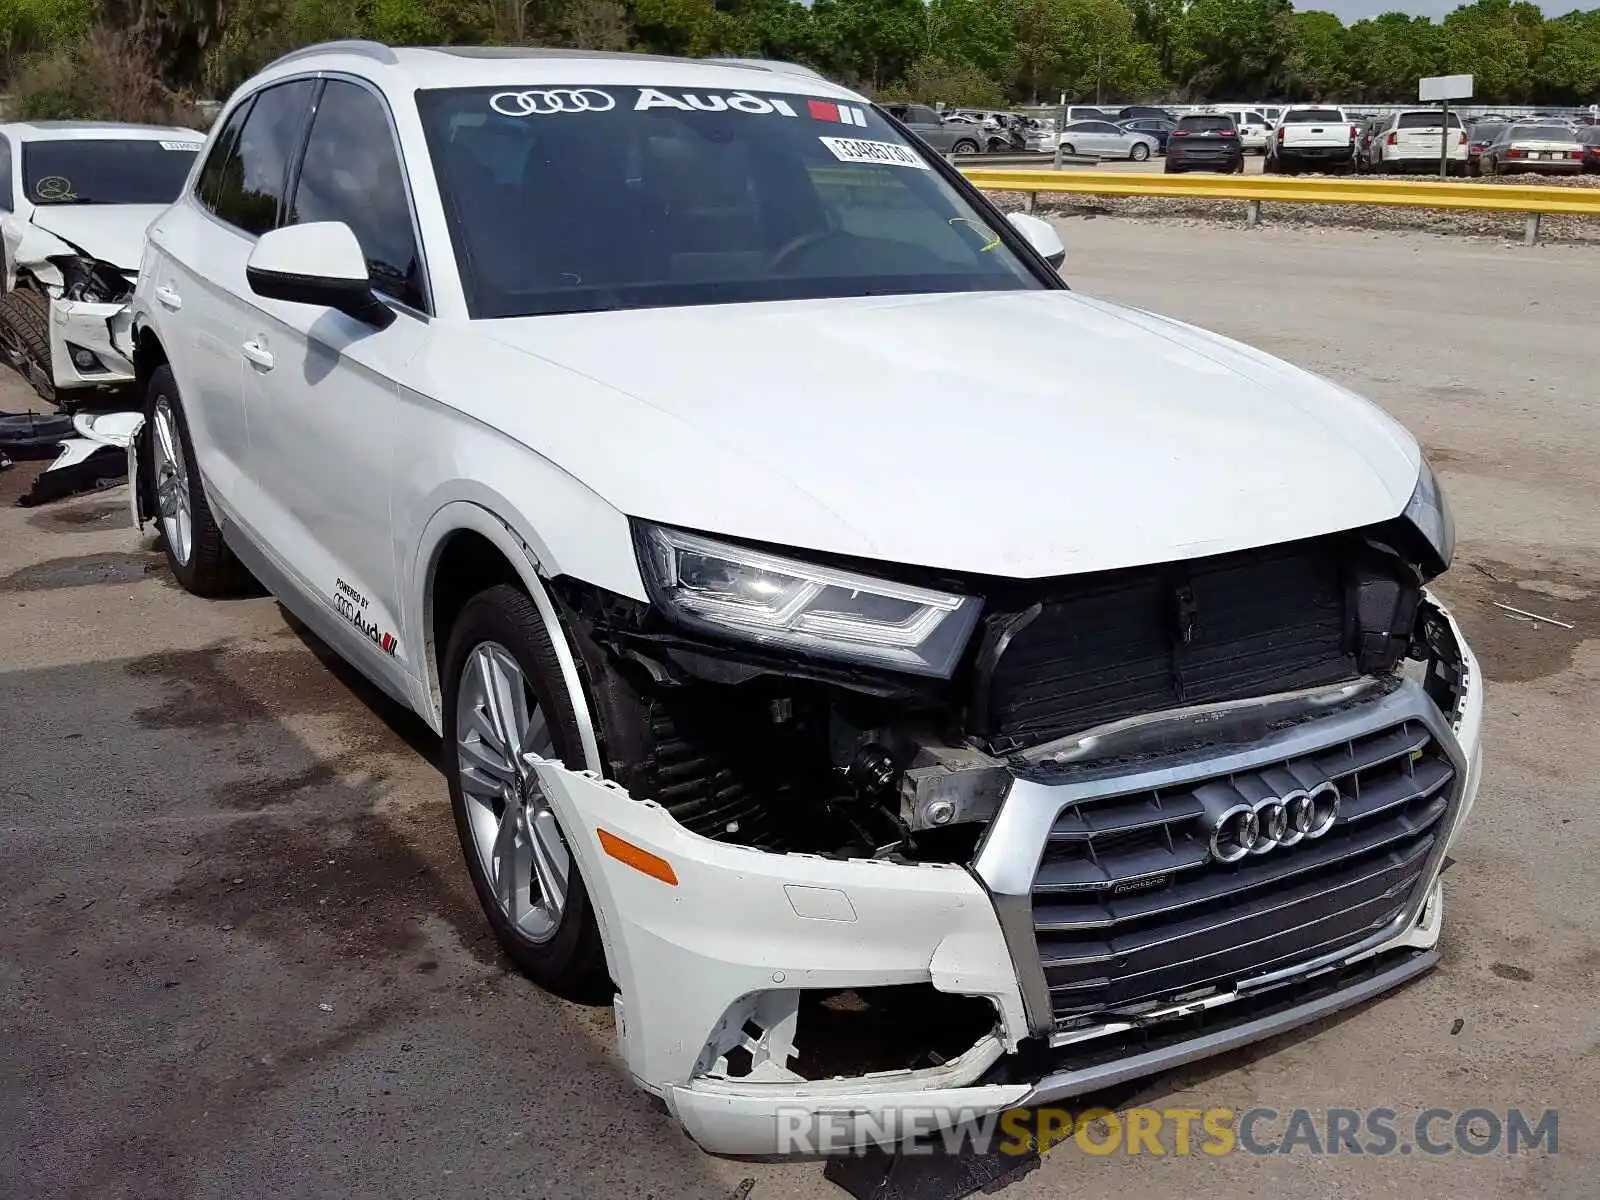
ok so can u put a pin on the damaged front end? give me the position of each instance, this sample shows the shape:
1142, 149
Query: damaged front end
65, 325
943, 844
89, 325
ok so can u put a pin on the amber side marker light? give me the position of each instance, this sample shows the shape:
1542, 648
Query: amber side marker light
652, 865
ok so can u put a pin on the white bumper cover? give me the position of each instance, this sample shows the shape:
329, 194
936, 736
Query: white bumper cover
741, 929
80, 325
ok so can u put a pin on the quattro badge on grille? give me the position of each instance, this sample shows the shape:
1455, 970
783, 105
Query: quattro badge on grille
1274, 821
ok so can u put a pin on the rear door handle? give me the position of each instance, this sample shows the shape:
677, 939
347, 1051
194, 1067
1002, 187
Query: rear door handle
258, 354
169, 298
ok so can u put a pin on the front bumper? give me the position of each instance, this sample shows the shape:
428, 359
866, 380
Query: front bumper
77, 325
718, 959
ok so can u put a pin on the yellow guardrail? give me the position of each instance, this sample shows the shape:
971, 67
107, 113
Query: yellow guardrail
1293, 189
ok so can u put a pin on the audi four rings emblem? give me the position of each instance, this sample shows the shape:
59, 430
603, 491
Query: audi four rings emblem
547, 102
1266, 824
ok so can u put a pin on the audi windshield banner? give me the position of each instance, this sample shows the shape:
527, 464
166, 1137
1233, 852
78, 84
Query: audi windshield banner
581, 101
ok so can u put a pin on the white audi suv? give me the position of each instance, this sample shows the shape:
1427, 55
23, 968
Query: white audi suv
880, 729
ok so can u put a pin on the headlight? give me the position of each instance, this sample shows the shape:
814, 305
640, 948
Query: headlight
1429, 512
780, 602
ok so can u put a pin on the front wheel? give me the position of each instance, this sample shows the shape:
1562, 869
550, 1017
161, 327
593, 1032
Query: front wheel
504, 698
196, 553
1068, 148
965, 146
1140, 152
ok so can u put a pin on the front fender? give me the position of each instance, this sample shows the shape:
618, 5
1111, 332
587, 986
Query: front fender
455, 517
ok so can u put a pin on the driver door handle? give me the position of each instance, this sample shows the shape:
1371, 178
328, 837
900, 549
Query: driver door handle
258, 354
169, 298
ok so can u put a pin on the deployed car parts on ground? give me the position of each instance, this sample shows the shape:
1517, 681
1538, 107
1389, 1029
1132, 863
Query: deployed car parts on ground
882, 735
77, 196
90, 451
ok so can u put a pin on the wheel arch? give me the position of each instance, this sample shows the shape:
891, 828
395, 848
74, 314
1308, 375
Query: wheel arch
149, 354
466, 547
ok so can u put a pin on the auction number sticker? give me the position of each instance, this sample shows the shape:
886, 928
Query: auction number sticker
191, 147
855, 150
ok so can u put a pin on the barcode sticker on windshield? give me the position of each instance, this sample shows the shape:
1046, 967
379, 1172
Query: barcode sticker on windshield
192, 147
885, 153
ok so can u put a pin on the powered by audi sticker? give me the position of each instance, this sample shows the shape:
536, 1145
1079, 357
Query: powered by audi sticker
855, 150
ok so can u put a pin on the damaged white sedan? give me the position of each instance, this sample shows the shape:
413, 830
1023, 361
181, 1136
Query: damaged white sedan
883, 732
75, 197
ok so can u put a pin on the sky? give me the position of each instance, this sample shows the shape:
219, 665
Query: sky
1354, 10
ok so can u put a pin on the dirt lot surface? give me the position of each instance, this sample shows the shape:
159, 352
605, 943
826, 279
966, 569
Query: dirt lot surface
239, 956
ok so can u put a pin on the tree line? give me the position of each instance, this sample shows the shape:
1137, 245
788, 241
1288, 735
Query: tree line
966, 52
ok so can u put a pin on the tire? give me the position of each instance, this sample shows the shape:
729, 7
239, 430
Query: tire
1168, 169
1139, 152
201, 562
1068, 148
1269, 165
965, 146
25, 338
569, 958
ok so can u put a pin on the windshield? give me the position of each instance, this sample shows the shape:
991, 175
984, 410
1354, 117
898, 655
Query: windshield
1310, 116
629, 197
106, 171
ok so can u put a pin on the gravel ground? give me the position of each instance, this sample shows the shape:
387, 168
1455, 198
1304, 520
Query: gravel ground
1495, 225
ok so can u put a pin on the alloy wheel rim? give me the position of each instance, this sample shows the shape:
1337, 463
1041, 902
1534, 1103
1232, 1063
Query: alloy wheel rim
514, 829
172, 484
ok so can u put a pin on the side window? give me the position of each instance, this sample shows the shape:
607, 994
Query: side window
351, 173
209, 182
250, 192
6, 201
918, 115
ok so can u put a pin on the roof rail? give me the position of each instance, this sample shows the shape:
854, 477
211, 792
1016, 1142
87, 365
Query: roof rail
777, 66
373, 50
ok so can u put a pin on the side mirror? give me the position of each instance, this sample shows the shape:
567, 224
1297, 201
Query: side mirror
1042, 236
320, 263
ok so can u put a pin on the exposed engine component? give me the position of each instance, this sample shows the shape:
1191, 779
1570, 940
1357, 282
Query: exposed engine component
772, 750
90, 280
952, 785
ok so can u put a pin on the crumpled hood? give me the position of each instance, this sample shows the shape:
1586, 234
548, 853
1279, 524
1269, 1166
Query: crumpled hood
1020, 434
113, 233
